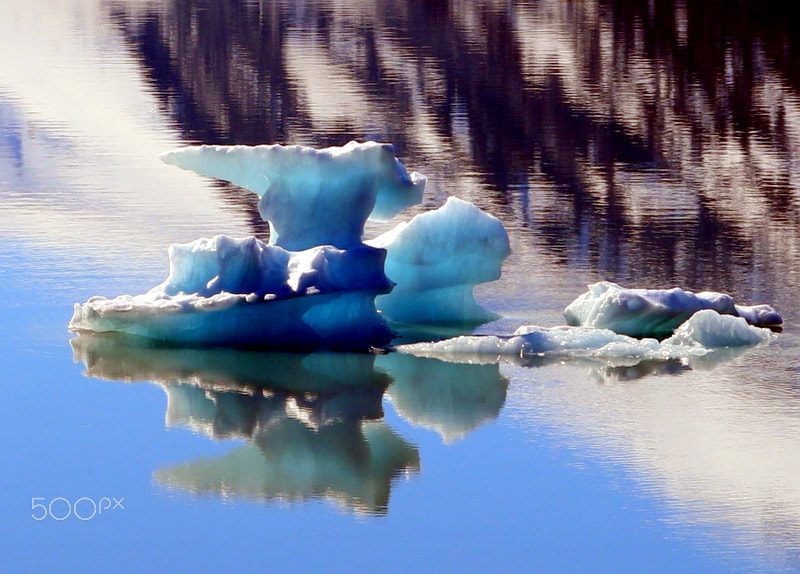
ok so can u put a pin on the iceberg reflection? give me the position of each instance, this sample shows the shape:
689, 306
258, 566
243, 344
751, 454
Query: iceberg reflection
349, 462
117, 356
451, 398
309, 419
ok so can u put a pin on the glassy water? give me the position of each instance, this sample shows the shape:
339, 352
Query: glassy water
649, 143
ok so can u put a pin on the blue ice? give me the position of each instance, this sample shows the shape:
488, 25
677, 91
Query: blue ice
318, 284
314, 285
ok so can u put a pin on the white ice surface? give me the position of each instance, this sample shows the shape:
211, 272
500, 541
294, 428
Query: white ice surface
312, 197
702, 333
436, 259
654, 312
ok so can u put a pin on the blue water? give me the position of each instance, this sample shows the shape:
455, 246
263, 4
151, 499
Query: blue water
405, 464
503, 497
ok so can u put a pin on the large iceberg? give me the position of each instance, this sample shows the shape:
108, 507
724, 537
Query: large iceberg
314, 285
655, 312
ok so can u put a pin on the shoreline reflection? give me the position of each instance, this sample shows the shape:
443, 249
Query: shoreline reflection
713, 442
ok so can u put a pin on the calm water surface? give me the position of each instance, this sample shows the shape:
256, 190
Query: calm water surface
650, 143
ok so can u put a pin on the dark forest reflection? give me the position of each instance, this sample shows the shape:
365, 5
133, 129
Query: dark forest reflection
653, 142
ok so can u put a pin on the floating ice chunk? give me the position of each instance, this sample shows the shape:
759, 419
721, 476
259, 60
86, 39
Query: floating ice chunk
701, 334
242, 292
436, 259
534, 340
760, 315
710, 330
654, 312
312, 197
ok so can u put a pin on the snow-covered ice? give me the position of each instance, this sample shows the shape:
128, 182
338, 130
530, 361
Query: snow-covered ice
655, 312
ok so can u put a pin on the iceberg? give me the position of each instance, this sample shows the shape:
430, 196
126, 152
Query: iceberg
312, 197
655, 312
436, 259
701, 334
314, 285
318, 285
243, 292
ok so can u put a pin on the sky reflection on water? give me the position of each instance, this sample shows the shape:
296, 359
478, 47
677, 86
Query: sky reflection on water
651, 143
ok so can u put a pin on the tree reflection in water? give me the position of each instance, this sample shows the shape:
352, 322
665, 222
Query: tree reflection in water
643, 141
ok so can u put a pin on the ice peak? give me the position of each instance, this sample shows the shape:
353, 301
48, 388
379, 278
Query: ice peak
312, 197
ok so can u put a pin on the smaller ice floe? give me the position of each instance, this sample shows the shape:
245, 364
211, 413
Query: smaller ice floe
312, 197
243, 292
436, 259
655, 312
701, 334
